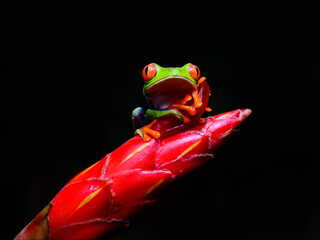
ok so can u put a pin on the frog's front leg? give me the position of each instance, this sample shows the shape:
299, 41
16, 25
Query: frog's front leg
140, 120
152, 114
140, 125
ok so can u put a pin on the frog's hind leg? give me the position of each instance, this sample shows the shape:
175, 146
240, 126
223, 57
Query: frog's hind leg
138, 118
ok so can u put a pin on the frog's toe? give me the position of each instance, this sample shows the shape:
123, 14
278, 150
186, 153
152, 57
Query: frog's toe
191, 110
146, 131
139, 132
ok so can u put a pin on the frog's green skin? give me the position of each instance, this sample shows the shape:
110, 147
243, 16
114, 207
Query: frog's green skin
166, 87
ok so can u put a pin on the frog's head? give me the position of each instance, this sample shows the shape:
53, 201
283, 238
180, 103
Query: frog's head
164, 86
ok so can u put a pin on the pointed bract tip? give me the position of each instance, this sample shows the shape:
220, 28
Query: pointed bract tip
244, 114
221, 126
240, 115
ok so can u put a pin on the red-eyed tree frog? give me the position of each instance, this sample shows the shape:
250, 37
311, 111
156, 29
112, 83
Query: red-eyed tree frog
166, 90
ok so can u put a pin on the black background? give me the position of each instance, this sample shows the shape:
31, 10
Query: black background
71, 75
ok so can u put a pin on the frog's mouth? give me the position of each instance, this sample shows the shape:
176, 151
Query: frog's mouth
167, 91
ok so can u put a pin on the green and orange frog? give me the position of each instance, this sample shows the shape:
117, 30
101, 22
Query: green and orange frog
168, 91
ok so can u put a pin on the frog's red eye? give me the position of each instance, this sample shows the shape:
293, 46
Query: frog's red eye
149, 72
194, 72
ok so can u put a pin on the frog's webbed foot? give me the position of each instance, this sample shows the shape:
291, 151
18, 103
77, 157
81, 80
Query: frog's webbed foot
192, 110
196, 100
151, 115
146, 131
201, 80
181, 105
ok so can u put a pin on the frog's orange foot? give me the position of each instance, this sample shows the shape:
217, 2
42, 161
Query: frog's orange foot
196, 100
201, 80
181, 105
146, 132
195, 95
191, 110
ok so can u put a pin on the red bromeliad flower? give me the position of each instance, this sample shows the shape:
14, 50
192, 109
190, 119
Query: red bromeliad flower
105, 195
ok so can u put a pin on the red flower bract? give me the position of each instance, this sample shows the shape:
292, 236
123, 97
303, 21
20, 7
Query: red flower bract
105, 195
